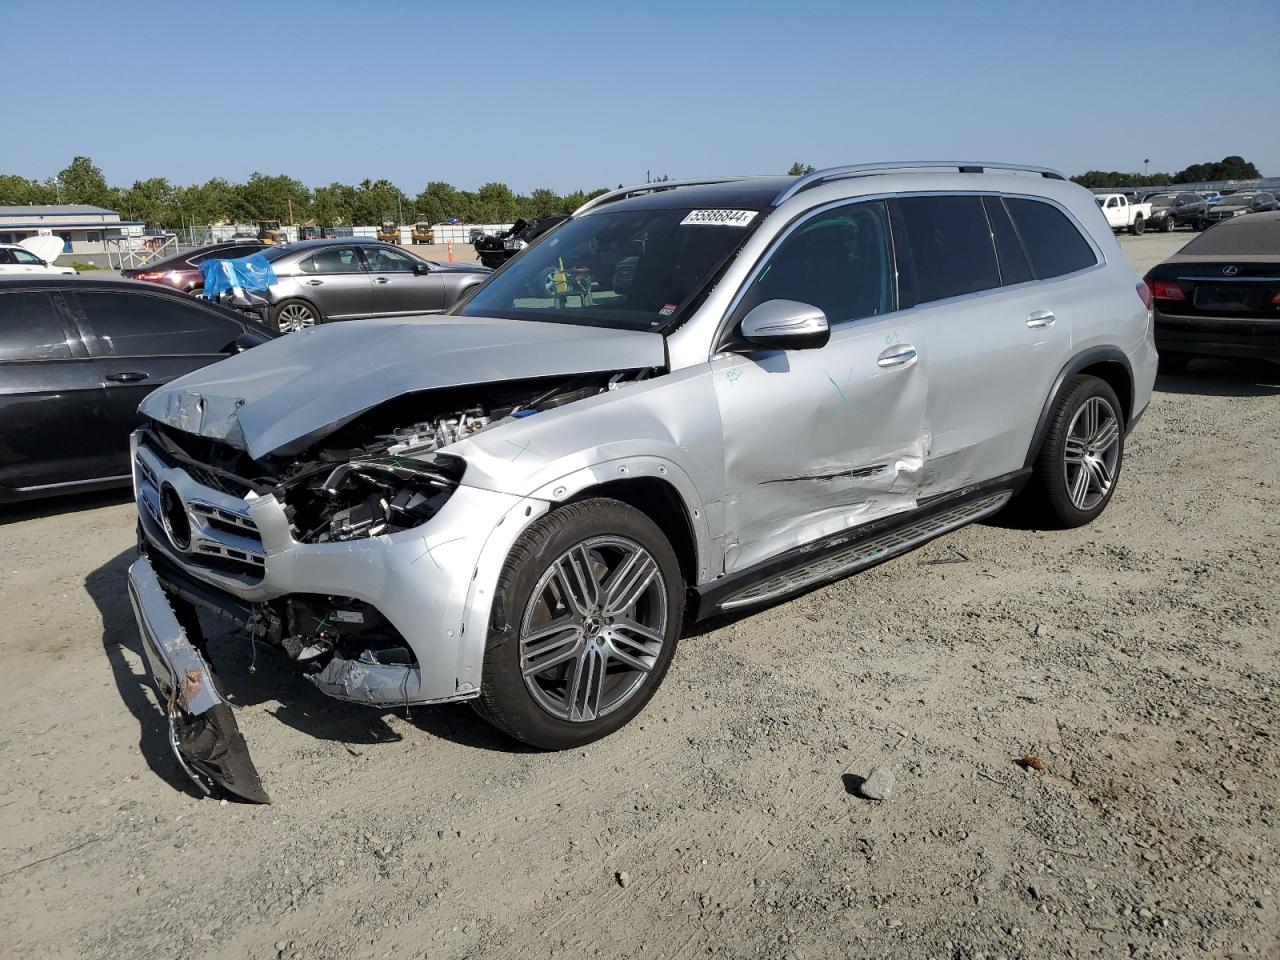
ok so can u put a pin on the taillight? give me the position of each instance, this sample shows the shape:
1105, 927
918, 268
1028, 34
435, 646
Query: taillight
151, 275
1144, 294
1276, 299
1167, 290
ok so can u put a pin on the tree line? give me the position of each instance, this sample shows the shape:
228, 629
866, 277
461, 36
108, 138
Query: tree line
160, 203
1229, 168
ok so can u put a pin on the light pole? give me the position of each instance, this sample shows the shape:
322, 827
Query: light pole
1144, 166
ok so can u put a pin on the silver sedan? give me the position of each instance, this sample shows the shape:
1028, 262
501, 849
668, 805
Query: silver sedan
349, 278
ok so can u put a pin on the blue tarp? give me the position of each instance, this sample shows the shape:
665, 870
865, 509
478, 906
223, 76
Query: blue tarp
249, 273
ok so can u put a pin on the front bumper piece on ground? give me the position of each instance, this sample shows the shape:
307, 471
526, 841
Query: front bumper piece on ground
202, 730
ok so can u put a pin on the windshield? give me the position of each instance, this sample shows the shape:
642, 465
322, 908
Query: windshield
1239, 200
625, 269
1161, 199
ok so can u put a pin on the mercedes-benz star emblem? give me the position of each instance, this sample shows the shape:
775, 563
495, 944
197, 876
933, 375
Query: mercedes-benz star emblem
174, 513
1231, 271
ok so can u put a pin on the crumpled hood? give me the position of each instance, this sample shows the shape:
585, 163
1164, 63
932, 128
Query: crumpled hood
301, 383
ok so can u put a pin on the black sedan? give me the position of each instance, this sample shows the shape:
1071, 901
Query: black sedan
1219, 296
76, 358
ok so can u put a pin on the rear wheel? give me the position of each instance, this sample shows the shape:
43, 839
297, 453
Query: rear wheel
1138, 225
290, 315
1076, 471
586, 617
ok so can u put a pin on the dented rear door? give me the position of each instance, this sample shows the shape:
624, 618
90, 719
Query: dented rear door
817, 441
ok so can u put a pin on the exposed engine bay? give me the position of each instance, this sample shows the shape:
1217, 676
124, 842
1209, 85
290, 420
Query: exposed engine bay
384, 471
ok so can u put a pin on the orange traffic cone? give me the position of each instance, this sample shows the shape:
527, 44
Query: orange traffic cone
451, 251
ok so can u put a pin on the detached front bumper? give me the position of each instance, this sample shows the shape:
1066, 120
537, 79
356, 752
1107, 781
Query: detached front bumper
202, 729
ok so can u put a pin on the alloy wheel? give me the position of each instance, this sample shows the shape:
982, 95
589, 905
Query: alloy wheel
594, 628
1092, 453
295, 316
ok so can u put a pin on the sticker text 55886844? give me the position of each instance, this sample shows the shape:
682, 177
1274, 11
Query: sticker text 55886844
719, 218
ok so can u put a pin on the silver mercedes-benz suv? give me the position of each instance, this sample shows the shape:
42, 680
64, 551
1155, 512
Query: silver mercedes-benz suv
688, 398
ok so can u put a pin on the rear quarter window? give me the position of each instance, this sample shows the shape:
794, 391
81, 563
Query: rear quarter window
1053, 243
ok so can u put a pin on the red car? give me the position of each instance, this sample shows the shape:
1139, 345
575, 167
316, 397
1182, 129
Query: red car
182, 271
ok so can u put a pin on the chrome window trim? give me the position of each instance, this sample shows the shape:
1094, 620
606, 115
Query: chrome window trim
1099, 263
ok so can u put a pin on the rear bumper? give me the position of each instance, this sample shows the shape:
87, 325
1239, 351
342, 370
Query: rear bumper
1235, 337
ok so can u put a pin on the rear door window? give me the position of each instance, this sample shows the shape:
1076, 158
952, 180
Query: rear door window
30, 327
1053, 243
946, 245
1013, 259
139, 325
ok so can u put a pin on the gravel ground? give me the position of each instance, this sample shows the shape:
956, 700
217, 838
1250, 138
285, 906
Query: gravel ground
1077, 732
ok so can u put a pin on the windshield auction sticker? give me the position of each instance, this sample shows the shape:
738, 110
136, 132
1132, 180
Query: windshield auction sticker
719, 218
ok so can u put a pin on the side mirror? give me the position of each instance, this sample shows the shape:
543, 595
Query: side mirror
786, 325
246, 341
420, 269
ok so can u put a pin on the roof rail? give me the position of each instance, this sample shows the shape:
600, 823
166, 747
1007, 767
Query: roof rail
868, 169
655, 187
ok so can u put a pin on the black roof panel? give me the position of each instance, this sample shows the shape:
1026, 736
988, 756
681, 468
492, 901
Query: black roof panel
753, 193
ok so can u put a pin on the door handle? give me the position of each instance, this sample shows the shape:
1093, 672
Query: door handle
127, 376
315, 283
383, 280
1040, 318
899, 355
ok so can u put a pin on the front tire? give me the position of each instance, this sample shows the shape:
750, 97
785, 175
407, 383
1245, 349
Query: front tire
290, 315
1168, 225
586, 616
1079, 463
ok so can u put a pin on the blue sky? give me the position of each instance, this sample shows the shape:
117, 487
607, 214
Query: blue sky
569, 95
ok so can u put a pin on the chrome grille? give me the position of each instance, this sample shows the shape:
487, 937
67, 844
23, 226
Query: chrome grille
223, 537
865, 553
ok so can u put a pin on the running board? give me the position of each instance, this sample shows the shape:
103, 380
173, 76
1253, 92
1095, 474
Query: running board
864, 553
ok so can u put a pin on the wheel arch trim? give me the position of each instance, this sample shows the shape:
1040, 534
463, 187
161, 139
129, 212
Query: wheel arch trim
1081, 361
575, 485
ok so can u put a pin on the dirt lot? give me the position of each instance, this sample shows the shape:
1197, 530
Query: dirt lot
1137, 658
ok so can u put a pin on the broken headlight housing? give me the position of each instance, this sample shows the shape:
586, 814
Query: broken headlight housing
372, 496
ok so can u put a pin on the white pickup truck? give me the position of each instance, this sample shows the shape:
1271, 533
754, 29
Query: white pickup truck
1123, 214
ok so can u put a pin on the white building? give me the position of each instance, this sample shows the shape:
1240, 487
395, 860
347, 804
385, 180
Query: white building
83, 229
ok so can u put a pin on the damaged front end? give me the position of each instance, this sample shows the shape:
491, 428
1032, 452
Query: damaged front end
329, 551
